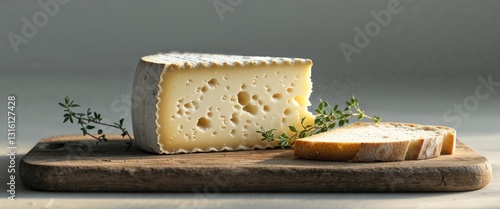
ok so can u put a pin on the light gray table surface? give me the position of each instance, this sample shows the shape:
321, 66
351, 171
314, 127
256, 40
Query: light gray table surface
430, 58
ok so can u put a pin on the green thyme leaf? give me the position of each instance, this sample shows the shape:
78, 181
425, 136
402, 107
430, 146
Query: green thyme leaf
325, 120
88, 121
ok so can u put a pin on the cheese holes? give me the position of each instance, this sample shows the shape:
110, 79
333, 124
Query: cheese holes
252, 109
268, 89
224, 120
266, 108
243, 98
277, 96
213, 83
254, 80
289, 90
210, 112
195, 104
234, 119
287, 111
204, 124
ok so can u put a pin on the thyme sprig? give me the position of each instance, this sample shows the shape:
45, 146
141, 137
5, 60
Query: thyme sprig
89, 120
327, 118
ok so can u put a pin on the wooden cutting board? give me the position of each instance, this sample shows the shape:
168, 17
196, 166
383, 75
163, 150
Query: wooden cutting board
75, 163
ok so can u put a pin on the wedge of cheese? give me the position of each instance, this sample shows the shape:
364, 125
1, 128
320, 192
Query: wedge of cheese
187, 102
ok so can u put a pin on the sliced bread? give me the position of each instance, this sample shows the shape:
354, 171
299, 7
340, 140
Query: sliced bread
385, 141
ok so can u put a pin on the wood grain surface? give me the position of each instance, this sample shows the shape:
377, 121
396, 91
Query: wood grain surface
75, 163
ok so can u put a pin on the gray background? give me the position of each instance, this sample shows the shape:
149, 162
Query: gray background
427, 59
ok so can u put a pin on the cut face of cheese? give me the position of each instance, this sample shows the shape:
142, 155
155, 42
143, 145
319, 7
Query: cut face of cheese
185, 103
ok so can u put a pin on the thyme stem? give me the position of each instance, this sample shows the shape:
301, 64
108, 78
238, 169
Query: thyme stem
88, 120
325, 120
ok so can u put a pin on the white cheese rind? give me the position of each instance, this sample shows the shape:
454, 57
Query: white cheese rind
144, 100
182, 103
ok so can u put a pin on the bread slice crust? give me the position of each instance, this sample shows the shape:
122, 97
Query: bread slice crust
324, 146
